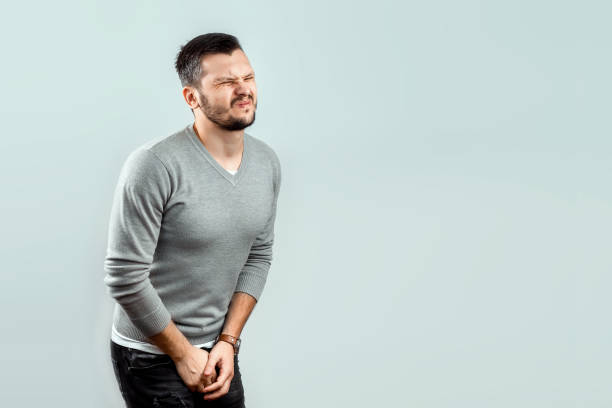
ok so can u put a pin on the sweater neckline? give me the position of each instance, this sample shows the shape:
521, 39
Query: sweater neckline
232, 178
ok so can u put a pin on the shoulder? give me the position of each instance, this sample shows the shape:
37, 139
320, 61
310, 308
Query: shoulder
143, 172
263, 150
167, 146
161, 152
149, 160
265, 153
141, 162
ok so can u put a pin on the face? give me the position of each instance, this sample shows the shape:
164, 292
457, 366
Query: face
228, 93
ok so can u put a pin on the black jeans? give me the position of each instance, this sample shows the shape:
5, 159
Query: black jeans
148, 380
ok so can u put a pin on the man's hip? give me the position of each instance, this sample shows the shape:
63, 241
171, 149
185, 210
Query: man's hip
151, 380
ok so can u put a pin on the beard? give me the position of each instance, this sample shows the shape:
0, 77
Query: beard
221, 116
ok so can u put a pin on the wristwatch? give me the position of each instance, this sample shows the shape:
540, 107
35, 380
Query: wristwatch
235, 342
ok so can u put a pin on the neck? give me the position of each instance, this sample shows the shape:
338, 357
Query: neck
219, 142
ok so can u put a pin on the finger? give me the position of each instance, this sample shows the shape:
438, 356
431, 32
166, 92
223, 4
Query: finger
213, 377
225, 374
224, 390
219, 381
207, 381
199, 388
209, 368
206, 378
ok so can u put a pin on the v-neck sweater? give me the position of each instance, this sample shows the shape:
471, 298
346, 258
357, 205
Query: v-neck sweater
185, 234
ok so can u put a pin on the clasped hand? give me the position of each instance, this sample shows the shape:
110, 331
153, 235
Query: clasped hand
198, 369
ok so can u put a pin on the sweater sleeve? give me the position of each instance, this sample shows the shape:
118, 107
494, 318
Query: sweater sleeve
253, 275
143, 188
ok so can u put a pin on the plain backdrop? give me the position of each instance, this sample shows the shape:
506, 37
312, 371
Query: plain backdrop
443, 231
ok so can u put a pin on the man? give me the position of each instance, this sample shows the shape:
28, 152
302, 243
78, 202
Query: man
190, 239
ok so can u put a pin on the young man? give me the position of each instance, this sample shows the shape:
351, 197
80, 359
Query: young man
190, 239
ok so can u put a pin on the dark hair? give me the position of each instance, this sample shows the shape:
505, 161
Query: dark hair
188, 59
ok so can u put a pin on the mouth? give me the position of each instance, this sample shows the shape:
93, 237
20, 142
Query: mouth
242, 104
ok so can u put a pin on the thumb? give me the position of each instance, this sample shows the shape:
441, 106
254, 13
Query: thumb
210, 365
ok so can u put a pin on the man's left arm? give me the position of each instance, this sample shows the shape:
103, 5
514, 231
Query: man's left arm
222, 353
249, 287
254, 273
240, 309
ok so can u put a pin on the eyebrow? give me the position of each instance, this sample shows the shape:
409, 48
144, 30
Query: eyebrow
232, 78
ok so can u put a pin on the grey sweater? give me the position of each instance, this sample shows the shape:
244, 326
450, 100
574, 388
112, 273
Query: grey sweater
185, 234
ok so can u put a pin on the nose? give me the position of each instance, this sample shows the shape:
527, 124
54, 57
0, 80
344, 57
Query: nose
243, 91
243, 96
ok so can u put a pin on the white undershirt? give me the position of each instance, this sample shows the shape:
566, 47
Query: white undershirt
119, 338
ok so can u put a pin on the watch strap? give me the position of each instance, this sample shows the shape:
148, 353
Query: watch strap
234, 341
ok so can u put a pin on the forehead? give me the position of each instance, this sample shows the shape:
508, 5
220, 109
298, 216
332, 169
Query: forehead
222, 65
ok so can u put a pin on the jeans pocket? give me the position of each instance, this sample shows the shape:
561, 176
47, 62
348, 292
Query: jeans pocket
142, 360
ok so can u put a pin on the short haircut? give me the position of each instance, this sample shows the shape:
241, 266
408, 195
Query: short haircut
188, 60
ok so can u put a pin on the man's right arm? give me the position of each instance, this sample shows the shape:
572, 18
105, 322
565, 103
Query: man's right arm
142, 191
172, 342
140, 196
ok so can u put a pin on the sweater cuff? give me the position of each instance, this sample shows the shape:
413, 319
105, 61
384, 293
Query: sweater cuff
250, 283
155, 323
152, 322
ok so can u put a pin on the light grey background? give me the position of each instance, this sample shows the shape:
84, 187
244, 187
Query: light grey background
444, 223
